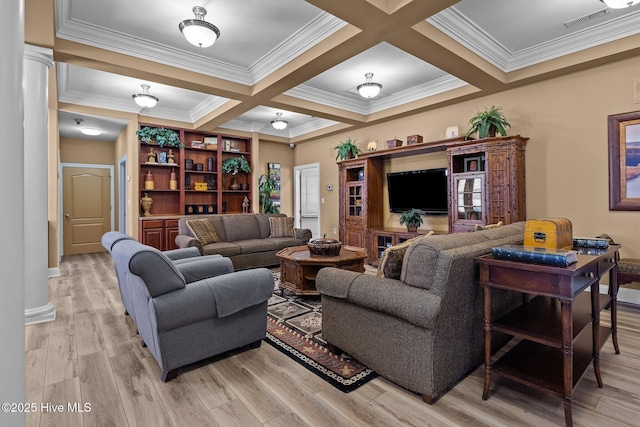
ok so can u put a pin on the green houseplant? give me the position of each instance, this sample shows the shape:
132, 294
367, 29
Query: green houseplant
233, 165
161, 136
266, 186
347, 149
488, 123
412, 219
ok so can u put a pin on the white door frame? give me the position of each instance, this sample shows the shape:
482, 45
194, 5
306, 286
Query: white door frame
60, 198
296, 192
122, 195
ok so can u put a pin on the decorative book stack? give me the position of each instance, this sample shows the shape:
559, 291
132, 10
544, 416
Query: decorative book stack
534, 254
590, 242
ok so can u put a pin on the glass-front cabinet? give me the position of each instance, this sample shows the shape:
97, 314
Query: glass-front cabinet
469, 201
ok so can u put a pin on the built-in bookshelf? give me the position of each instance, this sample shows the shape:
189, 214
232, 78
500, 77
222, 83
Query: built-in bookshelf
189, 180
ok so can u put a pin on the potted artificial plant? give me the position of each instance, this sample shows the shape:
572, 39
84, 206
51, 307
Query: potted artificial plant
488, 123
266, 186
232, 166
161, 136
412, 219
347, 150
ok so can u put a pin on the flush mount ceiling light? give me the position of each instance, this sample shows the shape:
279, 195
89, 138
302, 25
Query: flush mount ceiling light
369, 89
278, 123
620, 4
88, 131
197, 31
144, 99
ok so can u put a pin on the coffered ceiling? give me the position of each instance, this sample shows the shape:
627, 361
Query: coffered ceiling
305, 58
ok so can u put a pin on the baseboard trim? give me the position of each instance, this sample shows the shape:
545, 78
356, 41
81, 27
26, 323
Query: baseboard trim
54, 272
46, 313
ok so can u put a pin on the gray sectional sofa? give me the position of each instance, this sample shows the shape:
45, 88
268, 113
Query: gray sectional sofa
423, 330
244, 238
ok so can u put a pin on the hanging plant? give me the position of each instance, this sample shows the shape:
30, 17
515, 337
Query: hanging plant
161, 136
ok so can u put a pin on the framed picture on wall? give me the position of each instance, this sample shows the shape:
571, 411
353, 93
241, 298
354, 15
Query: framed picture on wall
624, 161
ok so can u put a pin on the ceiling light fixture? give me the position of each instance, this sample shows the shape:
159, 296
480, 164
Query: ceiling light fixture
620, 4
88, 131
278, 123
369, 89
144, 99
197, 31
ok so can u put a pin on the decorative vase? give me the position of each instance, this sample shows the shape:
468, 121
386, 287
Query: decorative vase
149, 184
173, 181
146, 203
234, 185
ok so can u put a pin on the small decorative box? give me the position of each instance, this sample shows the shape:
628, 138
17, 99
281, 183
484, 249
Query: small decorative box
393, 143
414, 139
200, 186
197, 144
199, 167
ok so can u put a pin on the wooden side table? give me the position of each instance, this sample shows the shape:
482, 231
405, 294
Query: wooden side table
556, 346
298, 268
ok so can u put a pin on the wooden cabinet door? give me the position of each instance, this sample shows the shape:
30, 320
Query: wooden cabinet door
153, 237
354, 237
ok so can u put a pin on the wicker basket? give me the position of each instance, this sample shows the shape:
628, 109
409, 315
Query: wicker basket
324, 247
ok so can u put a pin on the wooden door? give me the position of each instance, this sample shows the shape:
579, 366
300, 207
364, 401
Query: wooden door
86, 205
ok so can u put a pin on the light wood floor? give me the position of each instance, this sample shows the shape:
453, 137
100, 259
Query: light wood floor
91, 354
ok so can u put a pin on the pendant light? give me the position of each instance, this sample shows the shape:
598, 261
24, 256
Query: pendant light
278, 123
145, 99
369, 89
197, 31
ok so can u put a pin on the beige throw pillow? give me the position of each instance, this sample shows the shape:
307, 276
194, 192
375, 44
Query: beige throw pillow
281, 227
391, 263
488, 226
203, 230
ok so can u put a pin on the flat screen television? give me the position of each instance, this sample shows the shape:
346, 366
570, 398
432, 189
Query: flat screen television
419, 189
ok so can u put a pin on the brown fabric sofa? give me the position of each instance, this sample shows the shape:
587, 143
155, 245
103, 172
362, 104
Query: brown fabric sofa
423, 331
244, 238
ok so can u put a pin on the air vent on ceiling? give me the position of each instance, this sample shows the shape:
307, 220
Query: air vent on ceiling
593, 15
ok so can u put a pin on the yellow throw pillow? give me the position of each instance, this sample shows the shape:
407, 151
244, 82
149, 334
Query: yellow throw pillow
391, 263
203, 230
281, 227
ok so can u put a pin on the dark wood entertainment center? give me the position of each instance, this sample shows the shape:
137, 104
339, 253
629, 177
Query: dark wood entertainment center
486, 185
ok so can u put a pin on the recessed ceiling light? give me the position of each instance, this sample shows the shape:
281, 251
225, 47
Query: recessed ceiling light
87, 131
91, 131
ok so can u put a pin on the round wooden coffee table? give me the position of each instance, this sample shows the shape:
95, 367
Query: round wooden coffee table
298, 268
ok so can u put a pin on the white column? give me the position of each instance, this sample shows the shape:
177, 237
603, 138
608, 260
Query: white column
37, 62
12, 362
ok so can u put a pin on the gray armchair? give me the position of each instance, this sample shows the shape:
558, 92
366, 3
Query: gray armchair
202, 269
184, 317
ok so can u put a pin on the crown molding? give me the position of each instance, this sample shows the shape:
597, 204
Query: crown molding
309, 35
266, 128
464, 31
375, 105
318, 29
206, 106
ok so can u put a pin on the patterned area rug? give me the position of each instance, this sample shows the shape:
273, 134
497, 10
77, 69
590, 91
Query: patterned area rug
294, 326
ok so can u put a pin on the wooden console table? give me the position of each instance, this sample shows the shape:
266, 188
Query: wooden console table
556, 346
